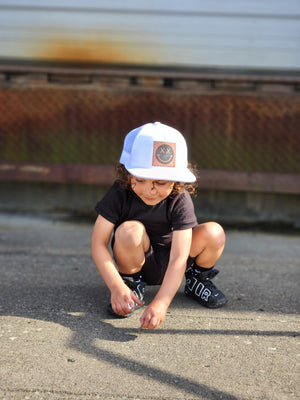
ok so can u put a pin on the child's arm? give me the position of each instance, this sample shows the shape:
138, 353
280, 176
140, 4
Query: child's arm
180, 250
122, 298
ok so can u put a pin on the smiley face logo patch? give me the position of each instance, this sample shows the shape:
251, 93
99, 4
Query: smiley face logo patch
164, 154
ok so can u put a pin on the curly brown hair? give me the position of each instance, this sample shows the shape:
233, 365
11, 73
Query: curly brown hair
124, 178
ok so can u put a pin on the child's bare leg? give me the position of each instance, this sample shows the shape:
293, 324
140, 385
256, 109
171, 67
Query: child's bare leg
207, 244
131, 244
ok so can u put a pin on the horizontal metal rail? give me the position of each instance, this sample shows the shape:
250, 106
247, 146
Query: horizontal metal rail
205, 74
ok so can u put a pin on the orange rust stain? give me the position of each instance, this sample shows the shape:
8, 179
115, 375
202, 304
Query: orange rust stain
84, 51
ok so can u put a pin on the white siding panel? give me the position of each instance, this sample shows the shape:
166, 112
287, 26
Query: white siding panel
255, 7
216, 33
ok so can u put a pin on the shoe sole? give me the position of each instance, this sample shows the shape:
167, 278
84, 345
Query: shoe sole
111, 312
191, 296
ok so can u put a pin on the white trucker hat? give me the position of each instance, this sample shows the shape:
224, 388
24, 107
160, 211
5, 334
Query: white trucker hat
156, 151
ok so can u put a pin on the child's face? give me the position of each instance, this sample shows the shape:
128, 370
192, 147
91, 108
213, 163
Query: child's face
151, 191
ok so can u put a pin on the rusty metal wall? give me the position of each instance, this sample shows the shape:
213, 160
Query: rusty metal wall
238, 125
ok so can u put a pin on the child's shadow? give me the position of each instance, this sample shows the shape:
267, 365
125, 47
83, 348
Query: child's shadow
82, 310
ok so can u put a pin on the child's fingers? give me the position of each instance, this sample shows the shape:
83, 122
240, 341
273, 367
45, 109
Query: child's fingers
123, 307
149, 321
151, 324
144, 321
136, 299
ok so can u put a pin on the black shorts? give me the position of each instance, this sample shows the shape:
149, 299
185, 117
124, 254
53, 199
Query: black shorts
155, 266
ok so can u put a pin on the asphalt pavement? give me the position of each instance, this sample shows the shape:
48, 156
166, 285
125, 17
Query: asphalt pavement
57, 342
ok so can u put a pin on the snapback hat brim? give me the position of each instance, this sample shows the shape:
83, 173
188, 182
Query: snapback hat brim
160, 173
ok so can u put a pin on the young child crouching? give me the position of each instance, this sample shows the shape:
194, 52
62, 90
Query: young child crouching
156, 238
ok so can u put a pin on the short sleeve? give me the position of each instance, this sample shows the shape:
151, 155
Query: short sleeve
111, 205
182, 213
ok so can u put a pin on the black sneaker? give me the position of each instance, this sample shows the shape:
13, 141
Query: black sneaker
138, 289
200, 287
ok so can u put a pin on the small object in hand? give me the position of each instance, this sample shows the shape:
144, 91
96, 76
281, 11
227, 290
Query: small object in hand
140, 329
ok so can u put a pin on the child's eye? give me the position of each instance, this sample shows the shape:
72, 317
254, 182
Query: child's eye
160, 183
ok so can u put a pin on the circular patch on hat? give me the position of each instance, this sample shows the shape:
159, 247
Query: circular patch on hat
164, 154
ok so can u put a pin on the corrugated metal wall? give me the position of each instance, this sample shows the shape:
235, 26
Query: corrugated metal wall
190, 33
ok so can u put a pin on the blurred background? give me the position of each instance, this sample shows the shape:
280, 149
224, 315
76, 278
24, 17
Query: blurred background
75, 77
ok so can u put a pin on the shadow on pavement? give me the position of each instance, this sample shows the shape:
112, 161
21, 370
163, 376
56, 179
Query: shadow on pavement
64, 288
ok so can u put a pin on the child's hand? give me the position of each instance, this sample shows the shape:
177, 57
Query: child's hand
123, 300
154, 315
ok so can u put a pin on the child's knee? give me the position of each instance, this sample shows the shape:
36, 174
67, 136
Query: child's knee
130, 233
217, 234
212, 233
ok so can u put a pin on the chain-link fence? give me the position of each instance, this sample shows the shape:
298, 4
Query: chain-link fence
85, 122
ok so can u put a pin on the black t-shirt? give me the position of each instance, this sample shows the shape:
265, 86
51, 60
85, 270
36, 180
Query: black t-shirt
176, 212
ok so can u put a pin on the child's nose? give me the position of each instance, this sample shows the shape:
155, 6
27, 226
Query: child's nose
151, 187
